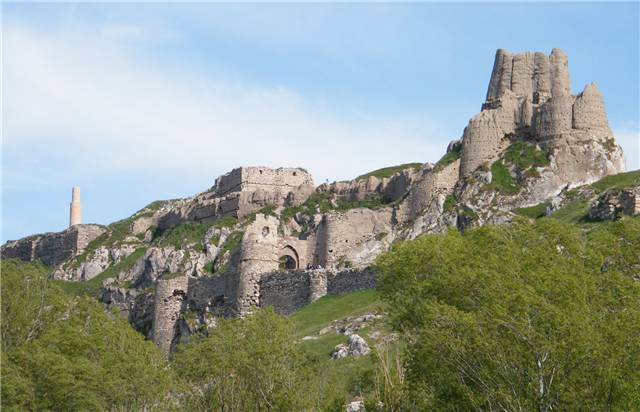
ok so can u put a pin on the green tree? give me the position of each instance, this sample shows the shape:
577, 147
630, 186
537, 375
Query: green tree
62, 352
249, 364
527, 316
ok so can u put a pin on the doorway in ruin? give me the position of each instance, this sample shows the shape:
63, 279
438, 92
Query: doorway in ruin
288, 259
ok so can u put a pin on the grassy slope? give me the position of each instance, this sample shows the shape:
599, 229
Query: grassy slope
347, 374
389, 171
576, 211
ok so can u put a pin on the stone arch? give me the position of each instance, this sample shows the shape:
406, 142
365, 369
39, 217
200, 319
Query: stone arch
289, 258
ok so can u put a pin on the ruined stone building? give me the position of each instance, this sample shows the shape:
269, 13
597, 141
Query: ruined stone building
270, 237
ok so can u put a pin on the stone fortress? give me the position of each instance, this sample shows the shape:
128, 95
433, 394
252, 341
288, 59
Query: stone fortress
285, 243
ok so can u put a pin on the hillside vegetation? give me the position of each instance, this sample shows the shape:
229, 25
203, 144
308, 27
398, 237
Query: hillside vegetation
540, 314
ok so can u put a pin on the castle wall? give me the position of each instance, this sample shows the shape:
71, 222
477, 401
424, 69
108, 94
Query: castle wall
531, 74
426, 191
52, 248
247, 189
531, 93
356, 236
169, 302
288, 291
589, 111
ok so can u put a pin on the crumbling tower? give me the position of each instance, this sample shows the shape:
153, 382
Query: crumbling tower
75, 208
259, 254
529, 97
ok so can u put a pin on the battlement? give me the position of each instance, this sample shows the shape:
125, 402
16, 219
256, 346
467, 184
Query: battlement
257, 177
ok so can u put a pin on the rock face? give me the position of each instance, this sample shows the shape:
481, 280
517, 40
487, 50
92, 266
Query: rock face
52, 248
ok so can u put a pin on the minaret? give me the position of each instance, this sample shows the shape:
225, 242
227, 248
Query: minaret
75, 209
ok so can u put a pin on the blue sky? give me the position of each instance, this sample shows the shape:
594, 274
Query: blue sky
138, 102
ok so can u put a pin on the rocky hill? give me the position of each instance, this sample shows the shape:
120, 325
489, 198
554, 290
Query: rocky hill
269, 237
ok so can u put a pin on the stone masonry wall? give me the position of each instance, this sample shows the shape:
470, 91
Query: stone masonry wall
259, 254
52, 248
288, 291
247, 189
169, 302
356, 236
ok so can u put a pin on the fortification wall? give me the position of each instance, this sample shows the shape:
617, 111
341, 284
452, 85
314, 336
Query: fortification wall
52, 248
169, 302
589, 111
247, 189
530, 74
288, 291
356, 236
426, 192
389, 188
252, 178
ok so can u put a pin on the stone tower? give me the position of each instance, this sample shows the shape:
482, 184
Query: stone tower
75, 208
529, 97
259, 254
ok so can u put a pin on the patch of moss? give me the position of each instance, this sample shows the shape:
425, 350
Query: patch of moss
389, 171
269, 210
232, 242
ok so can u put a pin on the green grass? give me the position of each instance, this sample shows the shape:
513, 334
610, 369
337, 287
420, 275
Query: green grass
269, 210
183, 234
449, 203
319, 314
577, 210
525, 155
93, 286
349, 376
389, 171
447, 159
533, 212
501, 179
225, 221
619, 181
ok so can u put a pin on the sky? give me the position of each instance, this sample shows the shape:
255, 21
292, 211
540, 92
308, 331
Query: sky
135, 102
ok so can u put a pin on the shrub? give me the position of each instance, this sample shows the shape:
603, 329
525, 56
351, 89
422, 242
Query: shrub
537, 315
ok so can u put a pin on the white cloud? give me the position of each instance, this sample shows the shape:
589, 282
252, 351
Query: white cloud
86, 98
630, 142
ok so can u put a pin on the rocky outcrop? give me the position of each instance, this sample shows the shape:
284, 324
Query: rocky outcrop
356, 347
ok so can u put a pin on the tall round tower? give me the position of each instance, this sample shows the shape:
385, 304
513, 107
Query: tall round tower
75, 209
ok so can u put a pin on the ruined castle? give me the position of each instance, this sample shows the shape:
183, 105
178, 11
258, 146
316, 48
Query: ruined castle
270, 237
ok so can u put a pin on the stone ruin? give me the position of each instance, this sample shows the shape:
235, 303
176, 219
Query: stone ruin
288, 263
